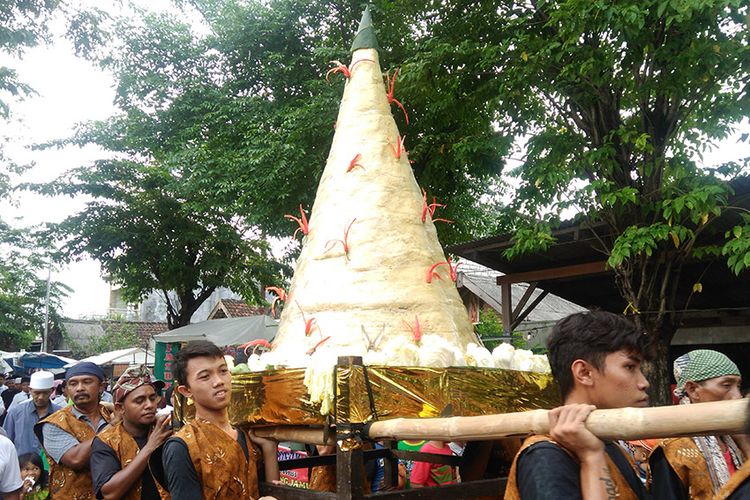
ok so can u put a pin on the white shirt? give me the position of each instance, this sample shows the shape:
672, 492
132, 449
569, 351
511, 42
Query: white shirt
60, 401
10, 472
19, 398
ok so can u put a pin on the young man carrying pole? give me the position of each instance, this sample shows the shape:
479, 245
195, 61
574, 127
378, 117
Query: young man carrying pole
596, 359
121, 452
208, 458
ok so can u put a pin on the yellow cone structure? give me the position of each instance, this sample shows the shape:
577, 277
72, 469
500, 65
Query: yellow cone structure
369, 289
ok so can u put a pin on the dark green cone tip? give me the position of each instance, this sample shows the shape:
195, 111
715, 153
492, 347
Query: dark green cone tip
365, 37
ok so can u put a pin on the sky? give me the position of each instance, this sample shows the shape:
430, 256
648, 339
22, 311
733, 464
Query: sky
70, 91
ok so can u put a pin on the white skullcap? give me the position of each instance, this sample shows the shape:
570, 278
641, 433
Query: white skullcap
42, 381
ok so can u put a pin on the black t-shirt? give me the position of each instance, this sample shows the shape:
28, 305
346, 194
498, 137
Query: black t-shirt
665, 483
178, 473
742, 492
7, 396
105, 464
547, 472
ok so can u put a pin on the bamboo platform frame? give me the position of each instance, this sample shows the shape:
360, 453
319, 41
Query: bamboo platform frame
350, 458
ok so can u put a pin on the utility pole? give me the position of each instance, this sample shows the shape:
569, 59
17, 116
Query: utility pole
46, 310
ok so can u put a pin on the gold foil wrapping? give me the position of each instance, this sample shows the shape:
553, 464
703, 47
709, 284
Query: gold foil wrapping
279, 397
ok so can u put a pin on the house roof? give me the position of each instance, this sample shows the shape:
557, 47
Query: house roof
579, 244
233, 308
482, 282
82, 330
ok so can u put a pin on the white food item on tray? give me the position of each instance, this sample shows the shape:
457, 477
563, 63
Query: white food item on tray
503, 355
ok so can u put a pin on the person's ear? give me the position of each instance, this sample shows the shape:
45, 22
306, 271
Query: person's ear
185, 391
692, 389
582, 372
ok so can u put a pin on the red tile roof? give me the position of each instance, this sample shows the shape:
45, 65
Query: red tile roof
233, 308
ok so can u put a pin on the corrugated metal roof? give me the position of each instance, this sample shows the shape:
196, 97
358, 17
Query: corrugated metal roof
551, 308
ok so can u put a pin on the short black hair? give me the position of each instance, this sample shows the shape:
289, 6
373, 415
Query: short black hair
194, 349
26, 379
590, 336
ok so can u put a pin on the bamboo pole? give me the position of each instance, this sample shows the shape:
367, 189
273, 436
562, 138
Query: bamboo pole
296, 434
724, 417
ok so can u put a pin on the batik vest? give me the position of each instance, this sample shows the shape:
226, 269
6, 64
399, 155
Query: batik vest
690, 466
126, 449
220, 463
624, 491
64, 482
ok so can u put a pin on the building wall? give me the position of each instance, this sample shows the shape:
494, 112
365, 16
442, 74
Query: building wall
154, 308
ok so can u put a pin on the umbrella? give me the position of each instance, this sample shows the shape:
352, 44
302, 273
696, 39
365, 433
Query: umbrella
32, 360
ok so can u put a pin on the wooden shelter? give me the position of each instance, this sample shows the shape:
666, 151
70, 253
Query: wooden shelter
574, 268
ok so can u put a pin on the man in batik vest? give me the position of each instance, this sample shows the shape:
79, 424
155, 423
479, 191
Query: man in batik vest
121, 452
596, 360
700, 466
208, 458
67, 435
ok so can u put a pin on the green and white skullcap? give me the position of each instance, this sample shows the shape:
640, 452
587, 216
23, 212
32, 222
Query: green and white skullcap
700, 365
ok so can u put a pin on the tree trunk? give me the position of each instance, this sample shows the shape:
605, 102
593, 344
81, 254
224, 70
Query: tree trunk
188, 304
658, 369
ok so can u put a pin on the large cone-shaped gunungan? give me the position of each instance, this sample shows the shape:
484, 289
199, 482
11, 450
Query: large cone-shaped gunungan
380, 287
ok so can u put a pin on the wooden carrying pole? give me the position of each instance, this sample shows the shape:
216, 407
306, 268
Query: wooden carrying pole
724, 417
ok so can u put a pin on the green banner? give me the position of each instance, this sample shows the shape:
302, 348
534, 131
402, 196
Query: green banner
164, 354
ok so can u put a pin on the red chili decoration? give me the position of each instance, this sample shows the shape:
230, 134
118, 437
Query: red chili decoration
432, 274
401, 148
341, 68
430, 208
354, 163
301, 221
310, 323
255, 344
416, 329
315, 348
453, 271
280, 297
391, 90
345, 242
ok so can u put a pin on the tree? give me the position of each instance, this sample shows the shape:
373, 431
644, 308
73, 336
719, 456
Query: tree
22, 292
248, 108
117, 335
617, 100
490, 331
25, 24
150, 233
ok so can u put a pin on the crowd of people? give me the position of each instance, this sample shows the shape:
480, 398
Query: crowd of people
79, 447
89, 449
